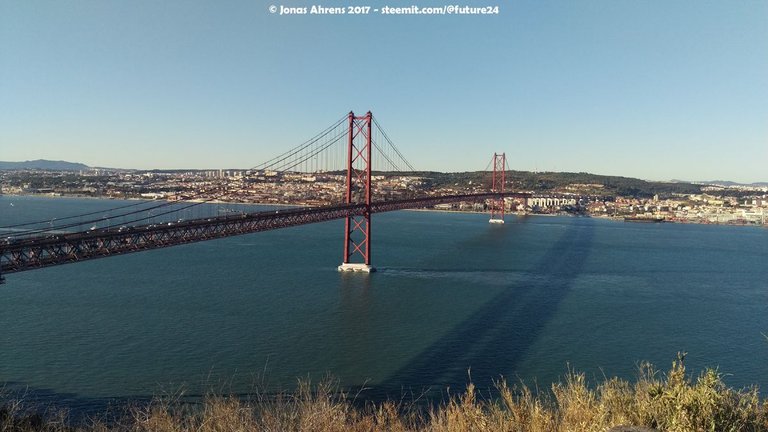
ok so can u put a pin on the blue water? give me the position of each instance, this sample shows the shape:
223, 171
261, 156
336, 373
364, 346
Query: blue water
453, 294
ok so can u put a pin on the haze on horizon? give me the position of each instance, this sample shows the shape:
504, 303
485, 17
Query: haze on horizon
654, 90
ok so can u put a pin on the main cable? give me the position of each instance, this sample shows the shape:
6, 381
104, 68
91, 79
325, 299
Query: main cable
266, 165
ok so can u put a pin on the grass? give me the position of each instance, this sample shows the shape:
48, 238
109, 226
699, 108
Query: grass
671, 401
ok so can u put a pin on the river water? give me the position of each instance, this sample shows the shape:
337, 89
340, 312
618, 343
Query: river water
454, 295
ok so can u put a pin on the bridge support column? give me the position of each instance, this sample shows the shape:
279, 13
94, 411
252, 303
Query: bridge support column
497, 186
357, 229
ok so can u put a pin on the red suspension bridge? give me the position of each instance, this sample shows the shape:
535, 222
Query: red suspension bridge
353, 141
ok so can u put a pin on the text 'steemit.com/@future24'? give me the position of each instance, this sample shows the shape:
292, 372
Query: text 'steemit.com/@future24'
319, 10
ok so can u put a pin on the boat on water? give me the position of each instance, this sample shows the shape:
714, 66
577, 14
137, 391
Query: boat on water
644, 219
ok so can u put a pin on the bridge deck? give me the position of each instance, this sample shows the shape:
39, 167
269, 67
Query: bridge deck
59, 249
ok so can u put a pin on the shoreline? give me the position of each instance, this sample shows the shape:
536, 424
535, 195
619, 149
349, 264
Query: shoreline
603, 217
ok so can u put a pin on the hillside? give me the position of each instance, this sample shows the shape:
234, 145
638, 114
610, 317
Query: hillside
42, 164
558, 182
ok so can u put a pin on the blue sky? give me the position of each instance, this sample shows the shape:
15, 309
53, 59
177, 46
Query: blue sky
655, 89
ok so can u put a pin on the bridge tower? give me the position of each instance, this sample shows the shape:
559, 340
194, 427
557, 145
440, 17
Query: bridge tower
357, 229
497, 186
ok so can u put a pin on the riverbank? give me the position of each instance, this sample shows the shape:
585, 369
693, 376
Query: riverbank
434, 210
673, 402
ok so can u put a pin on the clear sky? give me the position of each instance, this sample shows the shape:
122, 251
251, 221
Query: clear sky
656, 89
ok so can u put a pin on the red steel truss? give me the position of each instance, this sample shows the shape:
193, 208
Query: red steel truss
497, 187
37, 253
357, 228
33, 253
67, 248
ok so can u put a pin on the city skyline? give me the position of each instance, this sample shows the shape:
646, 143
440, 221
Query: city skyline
650, 90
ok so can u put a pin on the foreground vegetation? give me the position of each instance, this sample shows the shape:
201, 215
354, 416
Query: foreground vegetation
667, 402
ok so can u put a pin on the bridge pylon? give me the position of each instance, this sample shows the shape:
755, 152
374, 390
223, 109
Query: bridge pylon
357, 229
497, 186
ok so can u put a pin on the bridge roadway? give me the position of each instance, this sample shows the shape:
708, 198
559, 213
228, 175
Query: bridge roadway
35, 253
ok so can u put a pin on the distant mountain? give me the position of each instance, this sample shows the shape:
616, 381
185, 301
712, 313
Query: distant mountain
42, 164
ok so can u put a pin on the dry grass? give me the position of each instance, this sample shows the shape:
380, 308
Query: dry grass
671, 402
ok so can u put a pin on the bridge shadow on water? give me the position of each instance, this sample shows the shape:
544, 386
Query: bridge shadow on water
495, 337
490, 341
